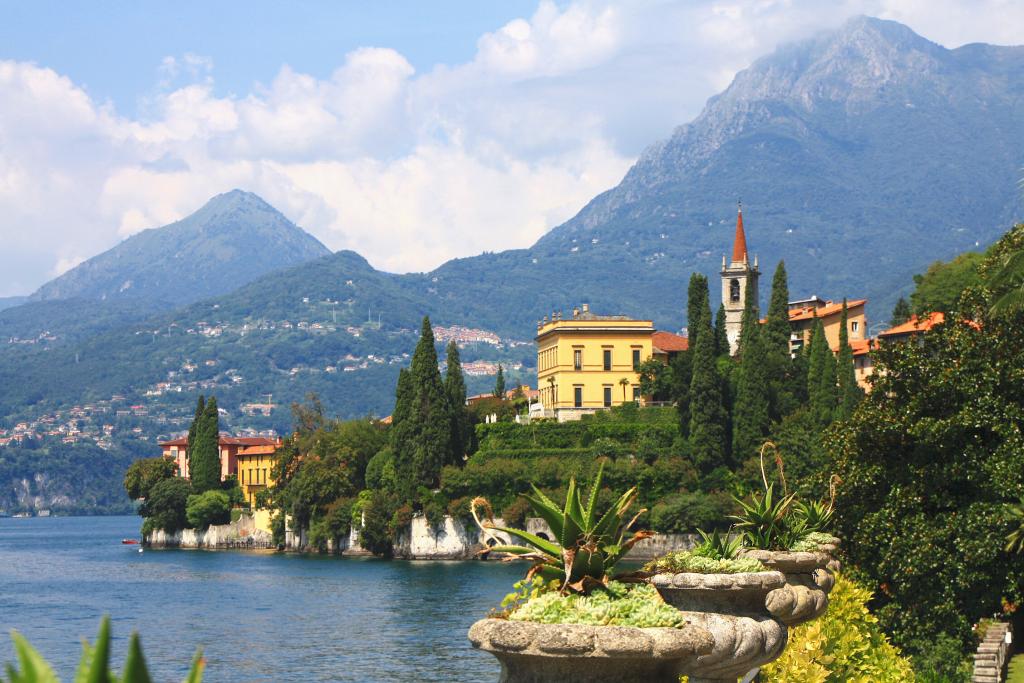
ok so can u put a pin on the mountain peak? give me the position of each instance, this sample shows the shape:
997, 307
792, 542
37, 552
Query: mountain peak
232, 239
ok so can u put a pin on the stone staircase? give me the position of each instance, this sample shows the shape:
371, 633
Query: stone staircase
993, 653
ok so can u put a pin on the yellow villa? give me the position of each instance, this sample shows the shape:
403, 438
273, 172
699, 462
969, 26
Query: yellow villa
255, 469
589, 362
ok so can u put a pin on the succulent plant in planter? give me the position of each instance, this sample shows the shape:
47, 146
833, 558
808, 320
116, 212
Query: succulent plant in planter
587, 545
576, 624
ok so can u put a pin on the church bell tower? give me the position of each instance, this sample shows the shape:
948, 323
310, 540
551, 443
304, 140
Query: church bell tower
739, 280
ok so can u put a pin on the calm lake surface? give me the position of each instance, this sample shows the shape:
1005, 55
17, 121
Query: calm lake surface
259, 616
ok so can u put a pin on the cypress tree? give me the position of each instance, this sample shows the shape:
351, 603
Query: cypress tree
681, 368
780, 366
815, 363
821, 376
698, 311
900, 313
455, 390
196, 419
721, 338
750, 419
849, 393
403, 397
499, 383
424, 444
708, 419
204, 468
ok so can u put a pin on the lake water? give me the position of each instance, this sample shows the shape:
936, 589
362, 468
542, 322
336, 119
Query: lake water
259, 616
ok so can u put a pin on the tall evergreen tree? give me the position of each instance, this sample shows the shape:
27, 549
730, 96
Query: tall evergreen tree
204, 468
815, 365
698, 310
721, 337
849, 393
200, 409
455, 390
708, 418
900, 312
750, 417
681, 372
821, 377
781, 370
424, 442
499, 383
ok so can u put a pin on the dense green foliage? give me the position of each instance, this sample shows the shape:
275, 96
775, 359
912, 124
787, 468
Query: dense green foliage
928, 462
900, 313
455, 391
94, 666
208, 507
750, 413
617, 604
846, 644
144, 474
165, 506
939, 288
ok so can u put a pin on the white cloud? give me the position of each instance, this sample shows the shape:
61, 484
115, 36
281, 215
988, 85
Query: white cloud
409, 169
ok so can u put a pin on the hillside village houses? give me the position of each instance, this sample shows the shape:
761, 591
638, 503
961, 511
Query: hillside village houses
588, 362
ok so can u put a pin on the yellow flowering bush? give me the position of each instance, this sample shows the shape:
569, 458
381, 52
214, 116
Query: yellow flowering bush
846, 645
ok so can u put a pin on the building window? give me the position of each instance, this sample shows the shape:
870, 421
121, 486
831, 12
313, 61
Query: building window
577, 397
636, 393
734, 290
854, 326
607, 397
636, 360
607, 359
577, 359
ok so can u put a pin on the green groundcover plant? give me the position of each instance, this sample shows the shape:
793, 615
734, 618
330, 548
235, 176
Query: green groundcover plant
846, 645
93, 667
617, 604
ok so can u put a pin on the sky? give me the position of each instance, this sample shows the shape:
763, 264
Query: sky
411, 132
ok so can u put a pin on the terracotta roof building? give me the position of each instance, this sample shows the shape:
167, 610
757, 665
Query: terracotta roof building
230, 448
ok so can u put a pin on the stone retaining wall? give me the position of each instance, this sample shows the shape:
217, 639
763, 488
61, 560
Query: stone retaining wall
993, 654
452, 540
241, 534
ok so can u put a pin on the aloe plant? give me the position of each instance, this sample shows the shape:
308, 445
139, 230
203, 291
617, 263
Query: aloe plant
586, 547
718, 547
94, 666
765, 522
813, 516
1015, 514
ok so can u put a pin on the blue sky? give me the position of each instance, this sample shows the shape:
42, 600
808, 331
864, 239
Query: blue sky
412, 132
114, 49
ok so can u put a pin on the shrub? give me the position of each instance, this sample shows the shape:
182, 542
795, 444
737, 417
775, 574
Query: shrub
434, 506
846, 644
459, 509
209, 507
514, 514
165, 506
401, 519
380, 471
332, 526
376, 511
144, 474
686, 512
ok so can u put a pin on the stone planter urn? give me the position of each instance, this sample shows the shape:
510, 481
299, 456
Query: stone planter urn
576, 653
733, 608
749, 614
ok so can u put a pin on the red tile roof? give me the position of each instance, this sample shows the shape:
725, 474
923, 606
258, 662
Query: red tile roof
861, 346
915, 325
226, 440
739, 245
809, 312
666, 342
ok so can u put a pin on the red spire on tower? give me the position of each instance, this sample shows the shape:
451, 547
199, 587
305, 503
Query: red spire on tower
739, 246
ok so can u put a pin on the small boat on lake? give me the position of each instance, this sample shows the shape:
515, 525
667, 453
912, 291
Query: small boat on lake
129, 541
